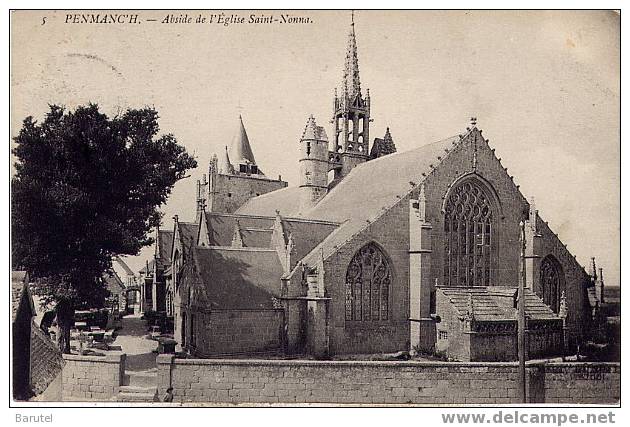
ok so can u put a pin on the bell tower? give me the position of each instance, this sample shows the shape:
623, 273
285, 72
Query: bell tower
351, 116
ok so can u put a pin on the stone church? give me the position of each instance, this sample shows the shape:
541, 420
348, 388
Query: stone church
374, 251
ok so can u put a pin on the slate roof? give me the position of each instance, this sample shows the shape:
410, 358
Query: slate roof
364, 195
124, 265
286, 200
188, 232
497, 303
240, 150
257, 231
113, 282
164, 246
361, 197
484, 306
238, 278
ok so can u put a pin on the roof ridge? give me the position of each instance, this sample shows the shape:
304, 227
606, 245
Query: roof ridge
231, 248
386, 208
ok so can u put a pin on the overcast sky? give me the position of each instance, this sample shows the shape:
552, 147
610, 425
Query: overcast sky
543, 85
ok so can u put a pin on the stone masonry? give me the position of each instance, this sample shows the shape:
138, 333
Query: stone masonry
92, 377
351, 382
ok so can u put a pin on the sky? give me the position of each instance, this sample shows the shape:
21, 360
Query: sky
544, 86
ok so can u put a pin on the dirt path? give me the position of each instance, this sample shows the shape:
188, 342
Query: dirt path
132, 339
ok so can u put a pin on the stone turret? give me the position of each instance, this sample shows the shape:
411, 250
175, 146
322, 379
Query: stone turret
313, 165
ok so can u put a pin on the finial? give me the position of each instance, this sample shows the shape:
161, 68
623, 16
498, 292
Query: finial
473, 121
352, 18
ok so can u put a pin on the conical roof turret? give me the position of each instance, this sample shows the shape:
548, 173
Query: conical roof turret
240, 150
225, 166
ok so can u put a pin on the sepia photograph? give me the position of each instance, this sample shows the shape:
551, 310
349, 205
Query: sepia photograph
342, 207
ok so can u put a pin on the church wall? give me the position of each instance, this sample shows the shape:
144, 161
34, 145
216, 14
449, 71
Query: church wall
232, 191
456, 164
390, 231
575, 281
225, 332
459, 163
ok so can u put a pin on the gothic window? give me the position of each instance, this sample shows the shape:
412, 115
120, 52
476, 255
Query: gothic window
470, 236
368, 281
551, 281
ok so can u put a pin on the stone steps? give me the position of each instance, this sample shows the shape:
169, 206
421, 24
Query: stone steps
136, 394
141, 378
141, 386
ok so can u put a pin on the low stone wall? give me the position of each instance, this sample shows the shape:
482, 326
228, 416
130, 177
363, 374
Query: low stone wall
351, 382
92, 377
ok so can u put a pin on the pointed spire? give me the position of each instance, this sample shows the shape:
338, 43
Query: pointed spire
351, 83
240, 148
225, 166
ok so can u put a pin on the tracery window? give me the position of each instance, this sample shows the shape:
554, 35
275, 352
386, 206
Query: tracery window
551, 280
469, 231
368, 281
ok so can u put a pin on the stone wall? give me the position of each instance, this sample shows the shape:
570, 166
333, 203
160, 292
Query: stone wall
92, 377
224, 332
232, 191
46, 361
348, 382
391, 233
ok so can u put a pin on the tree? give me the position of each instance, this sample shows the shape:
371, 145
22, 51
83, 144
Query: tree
86, 188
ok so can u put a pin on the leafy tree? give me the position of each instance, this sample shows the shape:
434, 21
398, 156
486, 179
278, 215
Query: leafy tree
87, 188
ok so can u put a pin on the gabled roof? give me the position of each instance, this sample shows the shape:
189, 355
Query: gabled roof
113, 281
238, 278
496, 303
256, 231
188, 232
123, 265
484, 306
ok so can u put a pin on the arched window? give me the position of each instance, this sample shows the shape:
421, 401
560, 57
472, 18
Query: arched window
470, 236
551, 282
368, 279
